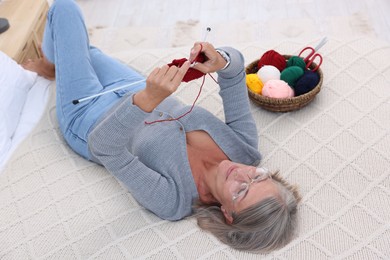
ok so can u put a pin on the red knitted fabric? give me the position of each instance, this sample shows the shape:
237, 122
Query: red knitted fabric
191, 73
273, 58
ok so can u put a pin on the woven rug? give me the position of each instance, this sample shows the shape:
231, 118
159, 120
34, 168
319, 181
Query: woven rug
56, 205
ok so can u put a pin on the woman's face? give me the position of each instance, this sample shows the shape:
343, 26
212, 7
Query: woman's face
240, 186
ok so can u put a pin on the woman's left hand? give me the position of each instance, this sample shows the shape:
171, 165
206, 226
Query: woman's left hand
214, 61
160, 84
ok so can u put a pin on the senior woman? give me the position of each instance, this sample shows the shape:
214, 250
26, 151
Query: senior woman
194, 165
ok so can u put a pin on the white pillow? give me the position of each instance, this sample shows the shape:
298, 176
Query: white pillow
33, 109
15, 82
5, 142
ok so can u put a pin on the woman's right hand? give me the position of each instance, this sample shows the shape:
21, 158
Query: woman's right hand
214, 61
160, 84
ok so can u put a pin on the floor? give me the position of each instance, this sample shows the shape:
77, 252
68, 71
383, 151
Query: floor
119, 24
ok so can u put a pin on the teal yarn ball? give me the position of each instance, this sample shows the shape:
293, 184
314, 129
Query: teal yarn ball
307, 83
296, 61
291, 75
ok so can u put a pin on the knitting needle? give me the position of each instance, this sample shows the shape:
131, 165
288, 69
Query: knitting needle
76, 101
322, 43
208, 29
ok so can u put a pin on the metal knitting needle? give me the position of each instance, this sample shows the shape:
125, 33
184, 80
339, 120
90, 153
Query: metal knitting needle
322, 43
208, 29
76, 101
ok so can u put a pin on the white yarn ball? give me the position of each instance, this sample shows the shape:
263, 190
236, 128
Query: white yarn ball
268, 72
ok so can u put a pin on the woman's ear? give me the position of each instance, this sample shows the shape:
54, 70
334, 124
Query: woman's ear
228, 216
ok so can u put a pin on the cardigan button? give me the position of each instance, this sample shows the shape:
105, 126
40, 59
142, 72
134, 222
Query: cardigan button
181, 128
160, 114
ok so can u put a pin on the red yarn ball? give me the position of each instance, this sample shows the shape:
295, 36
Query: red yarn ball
191, 73
273, 58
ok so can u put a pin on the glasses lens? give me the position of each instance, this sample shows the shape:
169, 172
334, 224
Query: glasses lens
243, 177
260, 174
261, 170
238, 189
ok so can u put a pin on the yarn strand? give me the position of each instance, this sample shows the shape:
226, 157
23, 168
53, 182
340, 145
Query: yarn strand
190, 110
192, 76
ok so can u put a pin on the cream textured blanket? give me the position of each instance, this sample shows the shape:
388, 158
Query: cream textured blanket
55, 205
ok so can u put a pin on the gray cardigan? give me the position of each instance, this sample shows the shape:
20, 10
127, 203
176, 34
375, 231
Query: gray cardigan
151, 160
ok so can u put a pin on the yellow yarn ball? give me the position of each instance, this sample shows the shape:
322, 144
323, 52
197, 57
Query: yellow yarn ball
254, 83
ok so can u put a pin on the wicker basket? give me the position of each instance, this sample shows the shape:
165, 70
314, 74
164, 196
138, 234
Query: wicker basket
283, 104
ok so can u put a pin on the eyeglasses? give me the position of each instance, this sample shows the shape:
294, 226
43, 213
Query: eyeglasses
240, 186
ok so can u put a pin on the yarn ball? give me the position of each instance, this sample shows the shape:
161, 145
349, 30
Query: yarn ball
254, 83
307, 82
276, 88
291, 75
273, 58
191, 72
296, 61
268, 72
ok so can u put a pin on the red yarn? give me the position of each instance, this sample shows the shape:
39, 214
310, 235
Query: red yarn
273, 58
191, 73
186, 113
189, 111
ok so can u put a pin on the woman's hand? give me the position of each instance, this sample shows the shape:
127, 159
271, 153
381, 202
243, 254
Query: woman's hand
214, 61
160, 84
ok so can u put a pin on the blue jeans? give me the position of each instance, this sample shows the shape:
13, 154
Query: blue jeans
81, 71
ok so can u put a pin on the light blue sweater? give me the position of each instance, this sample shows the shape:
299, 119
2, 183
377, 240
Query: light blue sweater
151, 160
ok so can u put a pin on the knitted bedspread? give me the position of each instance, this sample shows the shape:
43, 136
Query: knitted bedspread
56, 205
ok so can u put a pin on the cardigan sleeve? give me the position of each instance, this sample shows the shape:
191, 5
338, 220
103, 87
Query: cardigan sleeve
235, 100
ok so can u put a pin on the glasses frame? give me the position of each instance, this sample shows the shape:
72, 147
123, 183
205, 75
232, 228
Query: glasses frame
263, 174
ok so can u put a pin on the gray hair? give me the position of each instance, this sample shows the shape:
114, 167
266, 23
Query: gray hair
267, 225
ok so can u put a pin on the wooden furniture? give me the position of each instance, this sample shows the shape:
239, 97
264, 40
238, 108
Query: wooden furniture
27, 22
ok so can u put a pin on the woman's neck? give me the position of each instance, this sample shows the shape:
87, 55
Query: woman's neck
204, 156
203, 175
